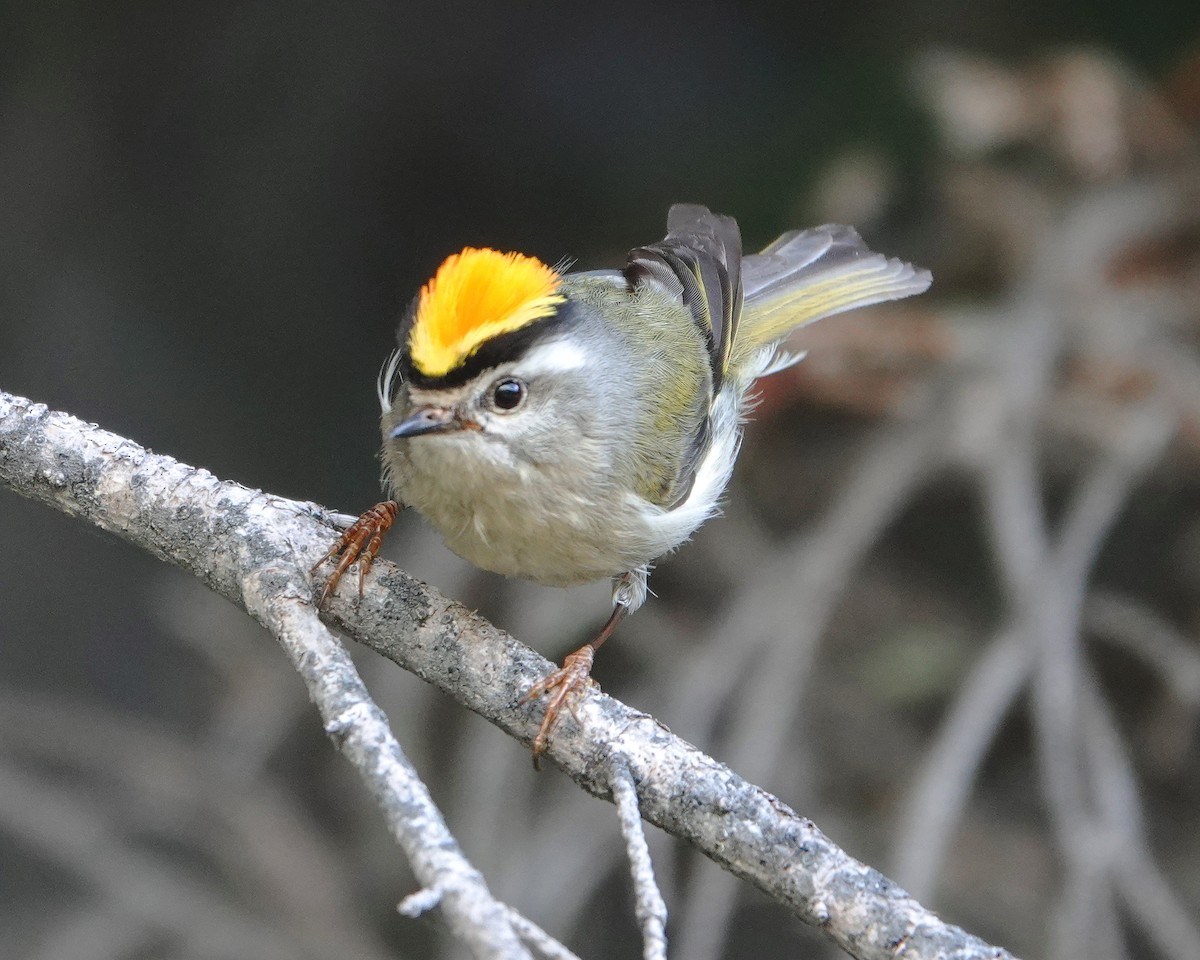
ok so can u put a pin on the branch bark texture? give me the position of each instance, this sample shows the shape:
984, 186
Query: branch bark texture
255, 549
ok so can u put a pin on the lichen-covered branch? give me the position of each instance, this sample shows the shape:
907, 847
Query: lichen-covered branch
255, 549
241, 543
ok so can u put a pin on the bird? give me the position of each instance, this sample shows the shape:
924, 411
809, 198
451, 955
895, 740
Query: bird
567, 427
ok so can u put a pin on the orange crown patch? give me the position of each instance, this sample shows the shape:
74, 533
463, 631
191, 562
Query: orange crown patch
474, 296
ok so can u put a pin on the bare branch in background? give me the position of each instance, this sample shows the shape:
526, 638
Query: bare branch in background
1127, 399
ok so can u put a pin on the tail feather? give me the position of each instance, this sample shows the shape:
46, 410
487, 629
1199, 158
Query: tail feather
809, 274
745, 304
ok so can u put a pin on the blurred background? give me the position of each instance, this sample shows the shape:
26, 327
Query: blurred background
952, 612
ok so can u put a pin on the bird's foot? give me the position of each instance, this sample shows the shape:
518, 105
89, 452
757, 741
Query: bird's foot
361, 542
565, 686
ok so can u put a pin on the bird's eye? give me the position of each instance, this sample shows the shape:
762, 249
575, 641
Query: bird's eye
508, 394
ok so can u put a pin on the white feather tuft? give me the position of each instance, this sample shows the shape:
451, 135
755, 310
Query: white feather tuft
387, 377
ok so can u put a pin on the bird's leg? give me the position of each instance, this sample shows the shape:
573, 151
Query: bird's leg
567, 683
361, 542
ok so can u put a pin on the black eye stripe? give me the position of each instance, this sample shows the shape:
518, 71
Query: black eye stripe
503, 348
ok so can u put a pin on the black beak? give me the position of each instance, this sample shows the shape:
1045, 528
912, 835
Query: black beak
427, 420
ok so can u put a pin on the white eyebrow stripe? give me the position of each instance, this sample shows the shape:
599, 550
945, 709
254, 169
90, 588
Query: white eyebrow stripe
555, 357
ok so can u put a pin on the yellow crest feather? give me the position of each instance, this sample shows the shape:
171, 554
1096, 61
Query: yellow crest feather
474, 296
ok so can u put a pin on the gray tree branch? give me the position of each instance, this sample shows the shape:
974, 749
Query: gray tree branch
255, 549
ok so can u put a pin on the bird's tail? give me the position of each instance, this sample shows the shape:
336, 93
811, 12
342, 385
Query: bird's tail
806, 275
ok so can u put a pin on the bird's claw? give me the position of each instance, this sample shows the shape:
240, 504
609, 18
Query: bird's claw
360, 541
565, 685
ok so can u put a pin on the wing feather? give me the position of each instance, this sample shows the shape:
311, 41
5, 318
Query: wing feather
700, 261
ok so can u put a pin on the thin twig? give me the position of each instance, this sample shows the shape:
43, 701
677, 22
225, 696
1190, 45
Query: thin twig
94, 931
360, 730
254, 830
140, 887
1133, 872
650, 909
1149, 637
940, 791
537, 938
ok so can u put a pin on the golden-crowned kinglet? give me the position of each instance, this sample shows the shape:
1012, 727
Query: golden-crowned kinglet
567, 427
